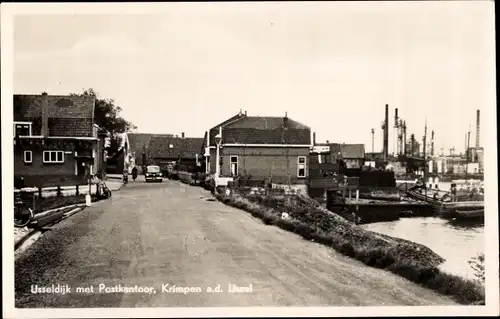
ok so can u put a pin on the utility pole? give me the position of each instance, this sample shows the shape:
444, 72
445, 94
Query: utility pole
425, 157
467, 153
373, 143
285, 141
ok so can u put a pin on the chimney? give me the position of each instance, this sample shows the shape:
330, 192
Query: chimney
314, 138
386, 133
396, 117
404, 138
432, 143
412, 144
327, 142
245, 113
182, 135
478, 128
45, 115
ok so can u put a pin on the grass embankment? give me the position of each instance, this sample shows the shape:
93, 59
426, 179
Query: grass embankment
412, 261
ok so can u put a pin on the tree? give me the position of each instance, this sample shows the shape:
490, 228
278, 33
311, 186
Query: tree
107, 116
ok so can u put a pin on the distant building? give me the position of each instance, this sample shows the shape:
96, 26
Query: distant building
413, 149
185, 152
476, 155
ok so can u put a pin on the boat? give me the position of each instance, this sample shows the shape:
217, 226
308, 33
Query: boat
444, 206
476, 213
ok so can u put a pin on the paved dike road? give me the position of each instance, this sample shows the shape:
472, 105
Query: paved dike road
169, 234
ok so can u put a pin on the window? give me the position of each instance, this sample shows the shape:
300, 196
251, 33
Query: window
28, 157
234, 165
301, 166
323, 158
53, 156
22, 129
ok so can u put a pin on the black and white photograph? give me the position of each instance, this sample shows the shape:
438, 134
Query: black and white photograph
249, 159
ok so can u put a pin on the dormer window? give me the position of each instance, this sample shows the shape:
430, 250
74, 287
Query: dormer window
22, 129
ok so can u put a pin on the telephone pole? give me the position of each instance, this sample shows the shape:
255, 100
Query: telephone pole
373, 143
467, 153
425, 157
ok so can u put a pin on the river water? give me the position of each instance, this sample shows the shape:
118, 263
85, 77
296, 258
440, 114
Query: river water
455, 242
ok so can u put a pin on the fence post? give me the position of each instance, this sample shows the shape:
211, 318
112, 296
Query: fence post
77, 190
58, 191
40, 192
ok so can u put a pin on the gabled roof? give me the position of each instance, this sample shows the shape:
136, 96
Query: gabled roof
68, 115
262, 130
168, 147
352, 150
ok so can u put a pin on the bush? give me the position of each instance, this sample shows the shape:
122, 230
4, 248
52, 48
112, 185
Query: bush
477, 264
412, 261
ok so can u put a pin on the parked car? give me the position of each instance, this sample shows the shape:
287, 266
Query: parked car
153, 174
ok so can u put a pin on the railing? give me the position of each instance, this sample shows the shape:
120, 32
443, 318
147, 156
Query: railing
59, 190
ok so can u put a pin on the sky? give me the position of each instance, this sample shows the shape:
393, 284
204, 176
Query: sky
331, 66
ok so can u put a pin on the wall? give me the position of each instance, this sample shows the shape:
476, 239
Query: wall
265, 162
354, 162
39, 174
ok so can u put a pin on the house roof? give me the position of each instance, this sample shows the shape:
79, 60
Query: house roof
169, 147
345, 150
68, 115
262, 130
352, 150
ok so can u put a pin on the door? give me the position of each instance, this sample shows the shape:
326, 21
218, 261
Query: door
81, 168
234, 165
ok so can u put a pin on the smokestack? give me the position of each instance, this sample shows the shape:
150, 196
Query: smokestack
396, 117
432, 143
45, 115
314, 138
182, 134
386, 133
404, 138
412, 144
477, 130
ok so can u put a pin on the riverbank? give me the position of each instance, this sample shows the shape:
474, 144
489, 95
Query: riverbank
455, 241
412, 261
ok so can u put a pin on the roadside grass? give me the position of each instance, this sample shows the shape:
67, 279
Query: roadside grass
414, 262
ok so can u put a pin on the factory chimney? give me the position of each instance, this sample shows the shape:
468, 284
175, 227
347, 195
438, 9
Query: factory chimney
404, 138
432, 143
386, 133
314, 138
412, 144
477, 130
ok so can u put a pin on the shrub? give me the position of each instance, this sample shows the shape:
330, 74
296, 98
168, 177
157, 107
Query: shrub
477, 264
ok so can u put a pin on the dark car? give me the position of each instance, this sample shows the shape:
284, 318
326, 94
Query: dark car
153, 174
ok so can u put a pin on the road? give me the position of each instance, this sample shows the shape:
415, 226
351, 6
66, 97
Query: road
152, 235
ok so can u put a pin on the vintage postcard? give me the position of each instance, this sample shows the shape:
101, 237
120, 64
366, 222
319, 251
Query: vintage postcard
249, 159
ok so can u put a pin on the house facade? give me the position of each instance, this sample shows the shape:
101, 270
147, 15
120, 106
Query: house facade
258, 149
185, 152
55, 140
137, 149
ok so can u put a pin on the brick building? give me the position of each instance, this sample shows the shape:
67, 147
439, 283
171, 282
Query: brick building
260, 148
185, 152
55, 140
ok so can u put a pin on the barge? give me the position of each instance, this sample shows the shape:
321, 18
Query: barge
445, 207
